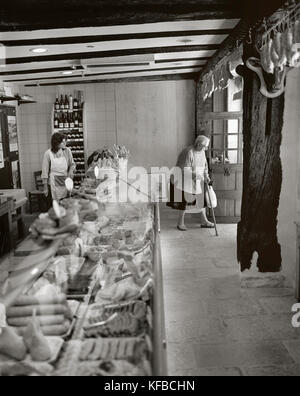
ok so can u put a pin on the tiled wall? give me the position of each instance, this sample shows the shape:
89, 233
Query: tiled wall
172, 126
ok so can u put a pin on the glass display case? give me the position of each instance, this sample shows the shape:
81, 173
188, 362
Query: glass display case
96, 293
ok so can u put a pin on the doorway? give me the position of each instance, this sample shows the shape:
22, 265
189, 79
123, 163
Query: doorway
226, 153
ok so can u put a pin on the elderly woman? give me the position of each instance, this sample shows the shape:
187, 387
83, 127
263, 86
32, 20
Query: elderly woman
188, 192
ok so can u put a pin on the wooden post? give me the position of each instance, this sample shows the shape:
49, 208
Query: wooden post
257, 231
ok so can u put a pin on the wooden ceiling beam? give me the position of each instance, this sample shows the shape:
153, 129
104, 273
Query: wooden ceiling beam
113, 53
163, 77
90, 74
18, 15
113, 37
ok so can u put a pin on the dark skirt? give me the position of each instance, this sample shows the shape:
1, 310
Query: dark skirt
180, 200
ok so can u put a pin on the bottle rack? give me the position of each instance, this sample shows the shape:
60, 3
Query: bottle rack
76, 138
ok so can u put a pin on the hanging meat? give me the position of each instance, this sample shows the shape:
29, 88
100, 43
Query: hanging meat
265, 57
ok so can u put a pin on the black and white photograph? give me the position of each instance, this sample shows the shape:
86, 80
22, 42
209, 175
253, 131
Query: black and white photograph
150, 190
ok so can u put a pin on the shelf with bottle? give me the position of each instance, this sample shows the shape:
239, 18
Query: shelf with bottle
72, 102
68, 121
68, 115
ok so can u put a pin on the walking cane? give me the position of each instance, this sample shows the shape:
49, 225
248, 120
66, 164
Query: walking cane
211, 207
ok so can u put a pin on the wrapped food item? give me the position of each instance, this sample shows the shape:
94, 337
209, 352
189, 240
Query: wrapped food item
11, 345
121, 291
109, 368
104, 349
36, 342
123, 324
25, 369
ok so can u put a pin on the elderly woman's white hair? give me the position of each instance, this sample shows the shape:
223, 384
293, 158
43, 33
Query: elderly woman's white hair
203, 140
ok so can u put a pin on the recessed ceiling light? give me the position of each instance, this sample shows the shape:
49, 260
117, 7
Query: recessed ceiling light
39, 50
67, 73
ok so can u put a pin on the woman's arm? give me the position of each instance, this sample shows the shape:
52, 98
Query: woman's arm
71, 163
46, 172
206, 173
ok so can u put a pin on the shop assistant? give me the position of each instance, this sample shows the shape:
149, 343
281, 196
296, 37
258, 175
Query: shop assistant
58, 165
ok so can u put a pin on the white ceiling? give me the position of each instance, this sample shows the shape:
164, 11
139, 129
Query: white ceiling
89, 52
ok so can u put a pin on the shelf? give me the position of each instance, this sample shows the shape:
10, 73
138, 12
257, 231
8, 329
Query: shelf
68, 129
68, 111
22, 100
8, 99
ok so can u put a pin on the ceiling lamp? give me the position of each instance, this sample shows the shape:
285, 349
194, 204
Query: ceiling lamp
39, 50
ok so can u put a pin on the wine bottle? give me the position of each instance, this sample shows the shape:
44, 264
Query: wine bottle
61, 121
71, 120
71, 102
76, 121
80, 121
62, 104
66, 103
56, 120
75, 103
56, 104
66, 121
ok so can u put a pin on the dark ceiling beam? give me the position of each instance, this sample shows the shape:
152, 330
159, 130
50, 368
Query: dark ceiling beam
163, 77
20, 15
188, 59
112, 37
241, 31
113, 53
107, 73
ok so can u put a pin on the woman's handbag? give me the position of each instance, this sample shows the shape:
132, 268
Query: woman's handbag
211, 198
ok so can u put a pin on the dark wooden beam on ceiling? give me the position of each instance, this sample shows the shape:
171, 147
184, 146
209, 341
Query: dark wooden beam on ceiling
188, 59
107, 73
112, 37
113, 53
53, 14
167, 77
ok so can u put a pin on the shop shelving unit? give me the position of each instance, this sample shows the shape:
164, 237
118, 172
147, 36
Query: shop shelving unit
76, 141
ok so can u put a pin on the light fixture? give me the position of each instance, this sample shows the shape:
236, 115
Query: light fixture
39, 50
67, 73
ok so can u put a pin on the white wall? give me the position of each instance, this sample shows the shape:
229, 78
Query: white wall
289, 209
155, 120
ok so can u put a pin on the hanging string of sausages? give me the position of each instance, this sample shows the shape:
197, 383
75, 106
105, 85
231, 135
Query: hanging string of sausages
280, 45
218, 79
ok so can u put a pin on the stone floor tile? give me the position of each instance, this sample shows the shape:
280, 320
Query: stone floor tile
212, 372
291, 370
233, 307
278, 305
260, 328
293, 348
180, 356
201, 330
241, 354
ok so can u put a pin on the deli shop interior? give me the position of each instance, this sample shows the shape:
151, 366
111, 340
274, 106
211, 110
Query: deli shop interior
204, 283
